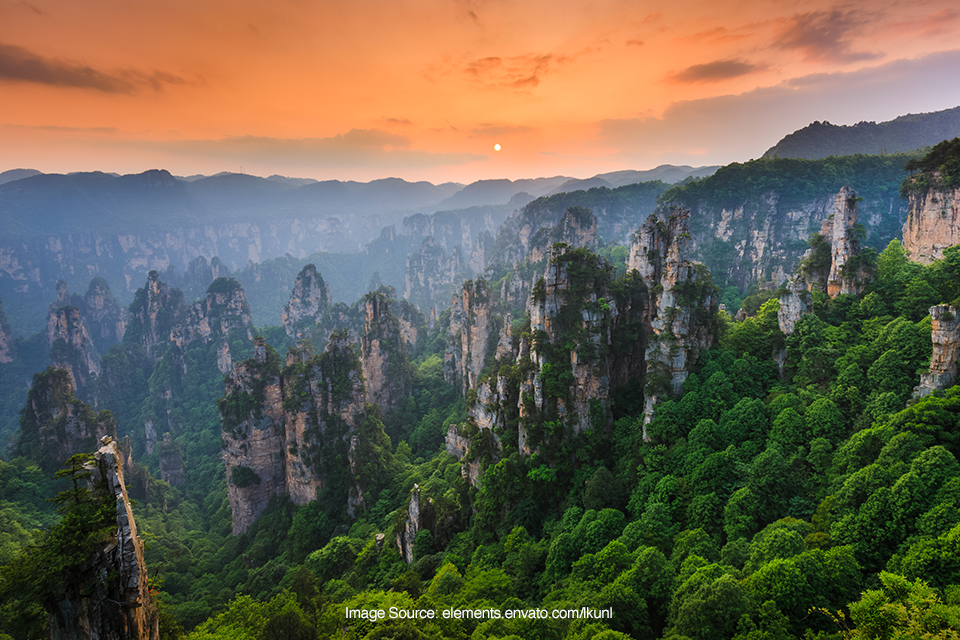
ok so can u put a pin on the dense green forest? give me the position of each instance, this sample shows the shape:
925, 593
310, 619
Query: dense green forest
818, 501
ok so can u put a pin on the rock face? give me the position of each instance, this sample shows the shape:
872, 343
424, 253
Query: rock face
221, 317
383, 354
577, 228
155, 311
171, 461
842, 276
432, 274
946, 350
933, 223
309, 300
793, 304
470, 327
121, 607
8, 351
55, 424
71, 347
681, 306
106, 319
287, 431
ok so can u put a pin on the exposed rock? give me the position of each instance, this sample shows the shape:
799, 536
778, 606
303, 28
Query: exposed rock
458, 445
432, 274
933, 223
946, 350
411, 526
8, 350
383, 354
309, 300
71, 346
54, 424
577, 228
287, 431
171, 461
838, 230
793, 304
420, 515
109, 598
470, 326
156, 310
682, 304
104, 316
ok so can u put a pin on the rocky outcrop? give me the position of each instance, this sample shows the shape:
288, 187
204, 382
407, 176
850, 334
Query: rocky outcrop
432, 274
309, 300
681, 307
577, 228
8, 350
795, 302
171, 461
109, 597
103, 315
156, 309
946, 351
54, 424
457, 444
254, 436
71, 347
933, 223
222, 317
383, 354
420, 516
289, 431
470, 327
839, 273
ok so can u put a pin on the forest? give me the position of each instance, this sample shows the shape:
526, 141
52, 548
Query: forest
796, 488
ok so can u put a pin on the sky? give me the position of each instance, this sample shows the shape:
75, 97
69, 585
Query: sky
424, 89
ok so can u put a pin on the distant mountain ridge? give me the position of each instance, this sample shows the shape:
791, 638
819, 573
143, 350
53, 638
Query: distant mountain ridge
906, 133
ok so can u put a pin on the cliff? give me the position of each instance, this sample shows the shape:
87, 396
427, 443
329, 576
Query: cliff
81, 328
750, 221
933, 222
54, 424
222, 317
383, 353
471, 324
431, 274
577, 228
309, 301
291, 431
121, 607
946, 351
8, 349
156, 309
540, 222
833, 264
71, 347
830, 265
681, 307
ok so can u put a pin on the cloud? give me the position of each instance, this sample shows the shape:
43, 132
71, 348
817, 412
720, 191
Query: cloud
823, 36
738, 127
635, 43
403, 121
358, 148
490, 130
934, 24
518, 72
22, 65
713, 71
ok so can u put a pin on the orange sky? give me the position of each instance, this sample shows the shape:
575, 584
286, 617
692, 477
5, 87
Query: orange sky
423, 89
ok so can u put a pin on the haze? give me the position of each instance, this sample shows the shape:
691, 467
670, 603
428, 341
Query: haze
423, 90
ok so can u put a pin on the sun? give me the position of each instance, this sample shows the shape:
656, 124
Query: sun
496, 147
